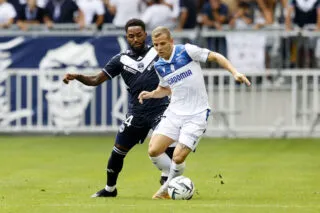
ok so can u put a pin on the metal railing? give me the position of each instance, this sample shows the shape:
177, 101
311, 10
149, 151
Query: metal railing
279, 108
282, 101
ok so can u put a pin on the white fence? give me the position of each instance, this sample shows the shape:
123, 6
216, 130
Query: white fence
279, 103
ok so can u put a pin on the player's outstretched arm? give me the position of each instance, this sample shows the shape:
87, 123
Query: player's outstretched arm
225, 63
87, 80
160, 92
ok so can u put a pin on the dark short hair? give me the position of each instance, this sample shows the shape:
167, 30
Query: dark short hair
135, 22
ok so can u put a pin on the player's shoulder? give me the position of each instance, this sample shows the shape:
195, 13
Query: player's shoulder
180, 48
116, 58
148, 49
189, 46
184, 49
127, 52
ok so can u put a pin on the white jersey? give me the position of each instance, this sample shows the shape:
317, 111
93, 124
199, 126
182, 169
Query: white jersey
90, 8
183, 74
7, 12
125, 10
152, 21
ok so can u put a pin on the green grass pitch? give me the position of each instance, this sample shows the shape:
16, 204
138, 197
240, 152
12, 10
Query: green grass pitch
59, 174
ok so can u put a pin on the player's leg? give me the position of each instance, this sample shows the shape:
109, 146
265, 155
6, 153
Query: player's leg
157, 147
177, 167
178, 162
125, 141
166, 133
191, 132
164, 165
165, 172
114, 167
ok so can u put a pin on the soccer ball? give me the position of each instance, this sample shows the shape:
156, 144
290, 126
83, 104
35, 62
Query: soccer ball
181, 188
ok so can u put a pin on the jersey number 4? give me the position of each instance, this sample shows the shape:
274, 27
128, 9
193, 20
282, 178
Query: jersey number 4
128, 120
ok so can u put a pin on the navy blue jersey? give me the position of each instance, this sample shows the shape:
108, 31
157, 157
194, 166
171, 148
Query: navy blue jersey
138, 74
305, 12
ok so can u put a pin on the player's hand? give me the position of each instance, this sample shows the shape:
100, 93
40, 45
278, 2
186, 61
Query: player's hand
69, 77
144, 95
241, 78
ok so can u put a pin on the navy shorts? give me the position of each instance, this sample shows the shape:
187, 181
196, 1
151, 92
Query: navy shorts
135, 128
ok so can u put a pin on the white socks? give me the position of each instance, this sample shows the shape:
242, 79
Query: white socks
162, 162
110, 188
175, 170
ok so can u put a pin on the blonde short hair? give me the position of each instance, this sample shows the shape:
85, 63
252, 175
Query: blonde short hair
161, 30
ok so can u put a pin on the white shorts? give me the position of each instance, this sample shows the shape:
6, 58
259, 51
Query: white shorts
186, 129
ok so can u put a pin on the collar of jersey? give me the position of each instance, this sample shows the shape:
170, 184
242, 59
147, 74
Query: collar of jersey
143, 51
172, 54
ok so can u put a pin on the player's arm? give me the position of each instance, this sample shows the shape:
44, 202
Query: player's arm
226, 64
318, 18
111, 8
265, 11
182, 19
87, 80
110, 70
288, 21
160, 92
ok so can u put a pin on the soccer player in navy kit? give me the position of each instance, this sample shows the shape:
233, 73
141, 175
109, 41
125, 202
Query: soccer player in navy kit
136, 68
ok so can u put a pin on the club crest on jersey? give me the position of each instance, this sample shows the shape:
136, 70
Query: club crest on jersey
163, 71
141, 66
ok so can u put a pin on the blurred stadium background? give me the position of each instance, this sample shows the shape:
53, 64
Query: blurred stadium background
276, 43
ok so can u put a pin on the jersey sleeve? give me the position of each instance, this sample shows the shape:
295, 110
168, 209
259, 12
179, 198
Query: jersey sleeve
113, 67
197, 53
113, 3
100, 8
11, 12
146, 16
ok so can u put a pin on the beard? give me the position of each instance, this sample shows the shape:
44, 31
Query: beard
138, 49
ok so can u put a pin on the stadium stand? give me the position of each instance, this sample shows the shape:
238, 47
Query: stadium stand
283, 58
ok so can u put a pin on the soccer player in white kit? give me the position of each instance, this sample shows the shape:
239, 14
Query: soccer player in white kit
185, 119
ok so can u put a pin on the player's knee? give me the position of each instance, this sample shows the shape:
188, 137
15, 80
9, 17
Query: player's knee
153, 152
155, 149
157, 146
